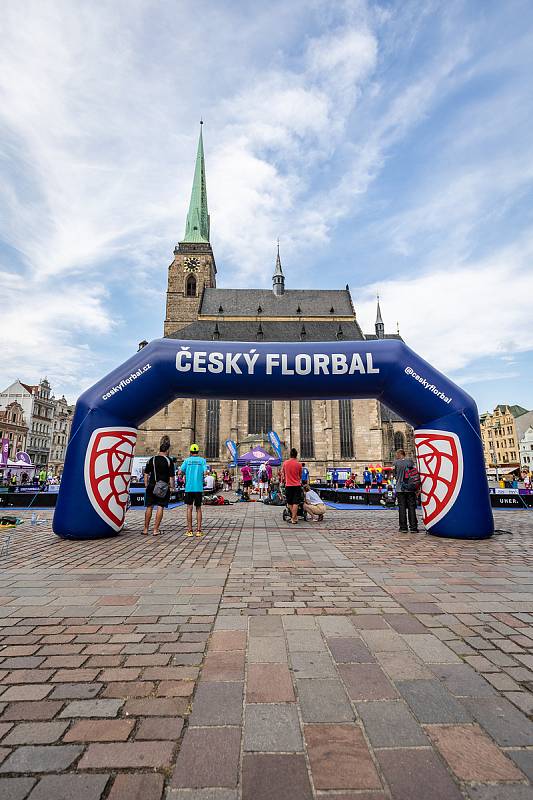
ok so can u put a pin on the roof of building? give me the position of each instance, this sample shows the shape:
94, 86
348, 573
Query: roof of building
516, 411
29, 388
272, 331
197, 225
385, 336
247, 302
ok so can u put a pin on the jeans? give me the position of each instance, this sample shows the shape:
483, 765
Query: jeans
407, 507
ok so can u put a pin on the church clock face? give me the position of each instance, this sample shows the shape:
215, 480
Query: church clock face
191, 264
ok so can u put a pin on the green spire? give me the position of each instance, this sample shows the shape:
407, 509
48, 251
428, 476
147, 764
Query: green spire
197, 225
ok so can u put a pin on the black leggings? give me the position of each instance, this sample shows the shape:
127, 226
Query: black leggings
407, 508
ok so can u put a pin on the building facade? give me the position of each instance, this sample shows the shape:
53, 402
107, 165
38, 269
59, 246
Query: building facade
352, 433
61, 422
526, 450
38, 409
14, 428
501, 432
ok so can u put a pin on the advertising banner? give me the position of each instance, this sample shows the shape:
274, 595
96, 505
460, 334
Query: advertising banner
232, 447
274, 440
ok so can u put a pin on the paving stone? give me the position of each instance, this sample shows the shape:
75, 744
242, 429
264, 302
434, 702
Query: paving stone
346, 650
268, 683
92, 708
471, 755
431, 702
305, 641
35, 733
507, 726
283, 777
336, 626
175, 689
223, 667
323, 700
417, 775
124, 755
201, 794
500, 792
217, 704
267, 649
313, 665
129, 689
272, 728
383, 641
430, 649
30, 691
194, 770
366, 682
405, 623
339, 758
524, 759
41, 758
228, 640
403, 666
66, 787
100, 730
156, 707
75, 691
15, 788
168, 728
127, 786
370, 622
42, 710
266, 626
462, 681
390, 723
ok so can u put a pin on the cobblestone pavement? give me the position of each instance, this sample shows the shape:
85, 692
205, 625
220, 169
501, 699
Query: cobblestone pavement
267, 662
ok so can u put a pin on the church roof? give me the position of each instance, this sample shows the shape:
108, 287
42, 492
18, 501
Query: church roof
245, 302
197, 225
269, 331
385, 336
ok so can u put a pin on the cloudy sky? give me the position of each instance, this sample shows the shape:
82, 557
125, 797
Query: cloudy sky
388, 145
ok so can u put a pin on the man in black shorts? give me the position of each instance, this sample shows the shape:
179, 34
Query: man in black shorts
194, 469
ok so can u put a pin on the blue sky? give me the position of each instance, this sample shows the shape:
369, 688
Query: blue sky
387, 145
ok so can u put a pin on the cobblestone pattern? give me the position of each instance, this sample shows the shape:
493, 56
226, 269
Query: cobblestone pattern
266, 661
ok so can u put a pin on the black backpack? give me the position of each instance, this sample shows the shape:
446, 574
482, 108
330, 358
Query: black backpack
411, 480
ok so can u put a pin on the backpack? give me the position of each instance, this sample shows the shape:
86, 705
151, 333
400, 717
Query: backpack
411, 480
161, 487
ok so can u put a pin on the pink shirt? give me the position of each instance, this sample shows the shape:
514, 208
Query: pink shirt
246, 473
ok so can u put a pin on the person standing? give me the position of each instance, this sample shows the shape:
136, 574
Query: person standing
406, 491
335, 477
194, 468
158, 471
379, 481
210, 484
291, 476
263, 481
305, 473
367, 479
247, 480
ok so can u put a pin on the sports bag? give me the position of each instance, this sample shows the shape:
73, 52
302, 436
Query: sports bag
411, 480
161, 487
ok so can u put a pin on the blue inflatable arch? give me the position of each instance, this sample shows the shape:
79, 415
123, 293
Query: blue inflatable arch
94, 488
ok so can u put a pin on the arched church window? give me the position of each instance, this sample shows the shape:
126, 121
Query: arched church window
399, 441
190, 286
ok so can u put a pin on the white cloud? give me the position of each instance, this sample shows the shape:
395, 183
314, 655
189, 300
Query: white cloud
453, 316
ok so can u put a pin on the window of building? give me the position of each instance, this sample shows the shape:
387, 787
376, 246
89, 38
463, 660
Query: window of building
399, 441
190, 286
212, 429
307, 447
259, 416
346, 431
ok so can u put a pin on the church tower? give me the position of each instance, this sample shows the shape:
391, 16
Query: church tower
278, 278
380, 327
193, 268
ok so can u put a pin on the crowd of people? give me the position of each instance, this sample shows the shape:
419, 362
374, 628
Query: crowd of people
18, 479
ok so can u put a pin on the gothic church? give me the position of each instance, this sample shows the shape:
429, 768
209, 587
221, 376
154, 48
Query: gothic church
350, 433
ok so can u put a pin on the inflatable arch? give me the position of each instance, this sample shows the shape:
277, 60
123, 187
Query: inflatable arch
94, 489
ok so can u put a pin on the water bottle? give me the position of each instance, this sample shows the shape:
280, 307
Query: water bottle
33, 518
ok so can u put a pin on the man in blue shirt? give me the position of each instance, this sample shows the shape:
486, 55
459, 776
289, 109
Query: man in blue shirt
305, 474
194, 469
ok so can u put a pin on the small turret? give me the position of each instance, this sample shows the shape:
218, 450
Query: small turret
380, 327
278, 278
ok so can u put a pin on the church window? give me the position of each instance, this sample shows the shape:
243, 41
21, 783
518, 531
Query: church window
212, 429
307, 448
346, 430
399, 441
259, 416
190, 286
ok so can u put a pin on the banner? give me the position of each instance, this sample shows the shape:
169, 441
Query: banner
274, 440
4, 452
232, 447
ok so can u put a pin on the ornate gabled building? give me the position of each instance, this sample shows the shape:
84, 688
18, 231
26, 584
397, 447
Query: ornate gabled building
343, 432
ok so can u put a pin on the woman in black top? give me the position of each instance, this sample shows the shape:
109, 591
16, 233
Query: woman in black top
158, 468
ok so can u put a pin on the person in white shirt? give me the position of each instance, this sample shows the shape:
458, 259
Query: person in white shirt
209, 482
313, 504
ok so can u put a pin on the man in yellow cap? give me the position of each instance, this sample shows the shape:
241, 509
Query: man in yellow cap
194, 468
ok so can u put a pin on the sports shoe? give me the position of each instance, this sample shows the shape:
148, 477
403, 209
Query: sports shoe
199, 534
189, 533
